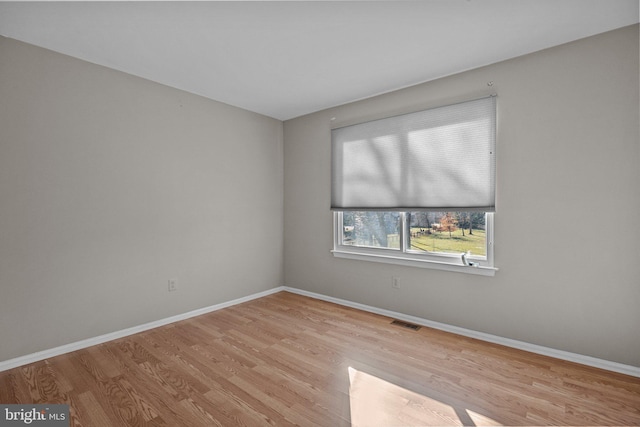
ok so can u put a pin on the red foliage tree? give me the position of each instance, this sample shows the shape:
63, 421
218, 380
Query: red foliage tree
448, 223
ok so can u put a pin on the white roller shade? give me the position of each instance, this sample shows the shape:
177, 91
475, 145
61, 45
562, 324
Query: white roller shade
438, 159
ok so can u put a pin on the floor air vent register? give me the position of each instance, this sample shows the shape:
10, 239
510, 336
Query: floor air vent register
406, 325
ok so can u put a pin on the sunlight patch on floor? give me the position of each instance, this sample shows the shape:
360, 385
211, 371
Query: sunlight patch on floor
376, 402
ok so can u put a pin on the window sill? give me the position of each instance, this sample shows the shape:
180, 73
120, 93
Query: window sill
412, 262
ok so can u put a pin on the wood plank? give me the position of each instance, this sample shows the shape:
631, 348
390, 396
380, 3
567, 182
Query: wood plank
285, 360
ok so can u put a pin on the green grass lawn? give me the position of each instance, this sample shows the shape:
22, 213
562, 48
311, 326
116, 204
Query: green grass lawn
441, 242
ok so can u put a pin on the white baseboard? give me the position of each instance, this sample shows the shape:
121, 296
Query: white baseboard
78, 345
521, 345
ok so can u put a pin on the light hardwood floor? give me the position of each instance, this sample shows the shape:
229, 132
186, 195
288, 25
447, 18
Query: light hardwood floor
286, 359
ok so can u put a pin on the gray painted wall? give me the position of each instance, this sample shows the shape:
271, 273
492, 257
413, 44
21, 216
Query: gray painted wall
110, 185
567, 240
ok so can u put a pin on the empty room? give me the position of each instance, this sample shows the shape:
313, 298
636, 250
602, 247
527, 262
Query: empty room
320, 213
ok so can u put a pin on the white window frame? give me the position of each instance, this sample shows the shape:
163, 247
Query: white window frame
403, 256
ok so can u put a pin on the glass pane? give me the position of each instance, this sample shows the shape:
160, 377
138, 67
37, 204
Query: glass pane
371, 229
447, 232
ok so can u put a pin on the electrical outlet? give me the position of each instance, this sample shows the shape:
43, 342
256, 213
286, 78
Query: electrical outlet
173, 285
395, 282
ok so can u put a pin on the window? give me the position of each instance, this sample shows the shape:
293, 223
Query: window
417, 238
447, 233
418, 189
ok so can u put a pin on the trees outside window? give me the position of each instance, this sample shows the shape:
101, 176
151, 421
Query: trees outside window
424, 231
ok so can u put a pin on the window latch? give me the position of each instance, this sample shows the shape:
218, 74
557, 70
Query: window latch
466, 262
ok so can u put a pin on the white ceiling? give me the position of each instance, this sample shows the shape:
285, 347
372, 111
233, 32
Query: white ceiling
286, 59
